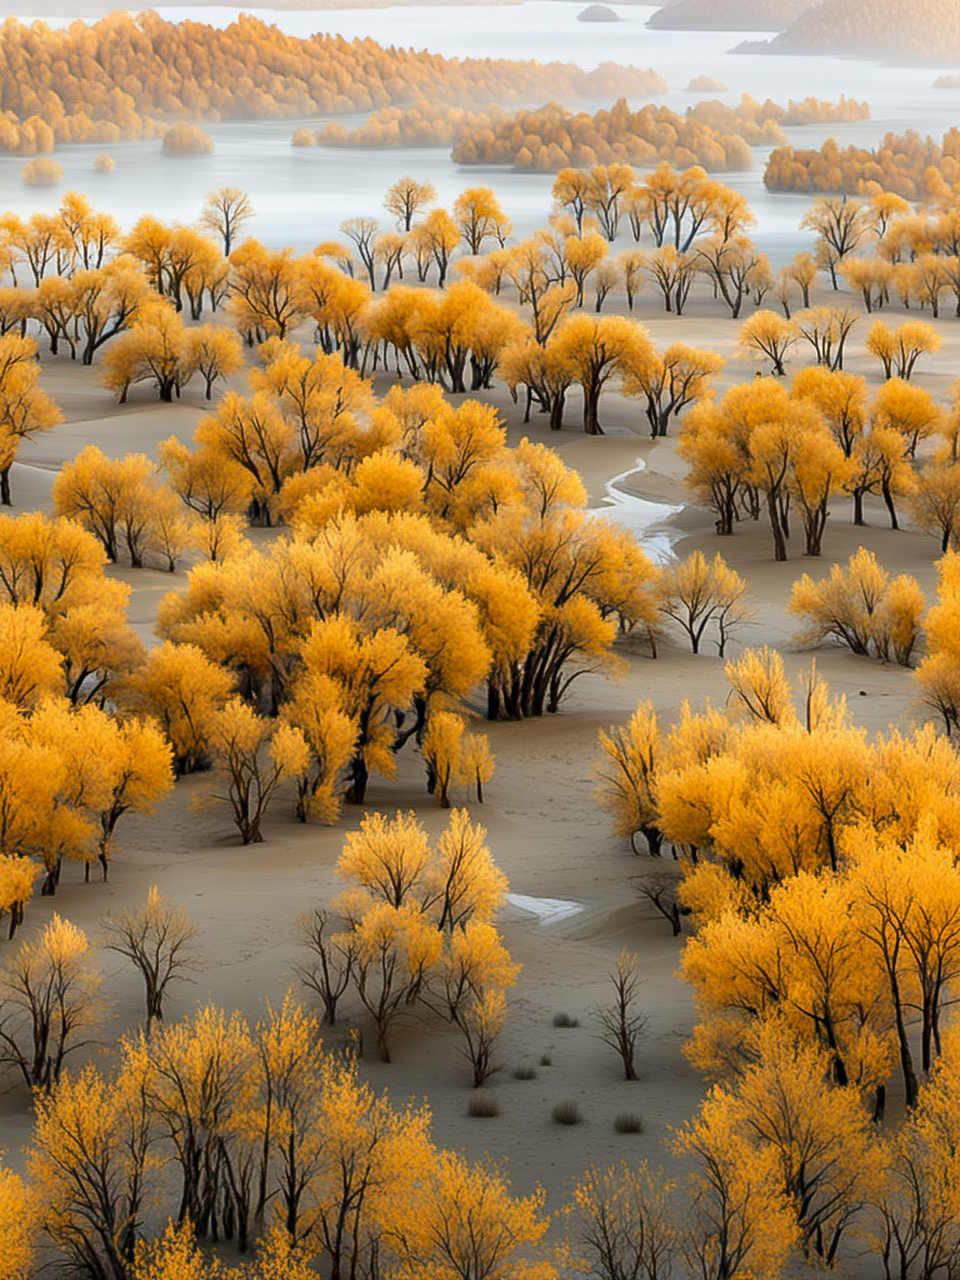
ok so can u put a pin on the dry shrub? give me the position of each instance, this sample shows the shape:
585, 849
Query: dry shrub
628, 1122
567, 1112
483, 1105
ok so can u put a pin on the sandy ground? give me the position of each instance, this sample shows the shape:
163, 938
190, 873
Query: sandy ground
544, 828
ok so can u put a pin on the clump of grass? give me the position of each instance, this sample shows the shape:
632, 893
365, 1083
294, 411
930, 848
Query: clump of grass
546, 1060
524, 1072
483, 1104
565, 1020
628, 1122
567, 1112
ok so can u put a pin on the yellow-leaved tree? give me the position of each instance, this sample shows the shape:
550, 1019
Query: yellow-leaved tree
627, 778
698, 592
24, 408
468, 1224
157, 938
419, 928
90, 1162
442, 750
377, 673
598, 349
182, 690
20, 1212
621, 1221
51, 1000
814, 1140
859, 605
253, 756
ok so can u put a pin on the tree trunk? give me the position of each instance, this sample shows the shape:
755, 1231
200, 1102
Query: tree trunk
556, 411
50, 880
654, 839
910, 1085
591, 412
493, 701
888, 499
776, 527
357, 791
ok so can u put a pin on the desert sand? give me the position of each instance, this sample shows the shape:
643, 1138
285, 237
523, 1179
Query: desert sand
578, 886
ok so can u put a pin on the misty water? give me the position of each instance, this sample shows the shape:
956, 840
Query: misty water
302, 194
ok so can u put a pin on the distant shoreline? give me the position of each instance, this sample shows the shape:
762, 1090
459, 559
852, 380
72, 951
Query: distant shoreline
95, 9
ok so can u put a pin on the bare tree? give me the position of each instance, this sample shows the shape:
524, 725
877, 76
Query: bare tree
330, 968
480, 1024
158, 938
363, 232
620, 1021
661, 892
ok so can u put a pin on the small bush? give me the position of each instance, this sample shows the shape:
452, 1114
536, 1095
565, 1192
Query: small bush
303, 138
567, 1112
185, 139
565, 1020
104, 163
41, 173
524, 1072
546, 1060
483, 1105
628, 1122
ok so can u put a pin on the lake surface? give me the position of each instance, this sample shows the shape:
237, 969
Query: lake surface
301, 195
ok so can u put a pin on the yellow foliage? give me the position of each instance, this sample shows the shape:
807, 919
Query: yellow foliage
51, 988
860, 607
186, 139
183, 690
468, 1223
760, 687
238, 738
20, 1212
441, 748
29, 665
628, 777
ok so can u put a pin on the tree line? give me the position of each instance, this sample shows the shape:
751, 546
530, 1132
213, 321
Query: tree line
551, 137
906, 164
462, 336
710, 134
131, 77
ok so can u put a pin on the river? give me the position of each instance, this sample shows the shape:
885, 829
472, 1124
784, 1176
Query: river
301, 195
